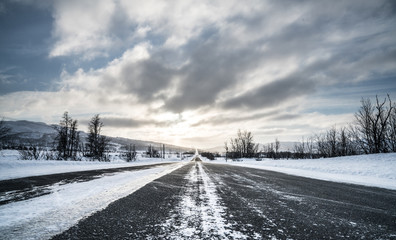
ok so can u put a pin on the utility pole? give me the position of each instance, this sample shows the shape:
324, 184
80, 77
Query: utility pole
163, 151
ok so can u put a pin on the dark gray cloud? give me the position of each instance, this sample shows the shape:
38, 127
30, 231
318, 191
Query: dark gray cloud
117, 122
321, 31
273, 93
145, 79
126, 122
219, 120
330, 42
286, 116
25, 33
212, 69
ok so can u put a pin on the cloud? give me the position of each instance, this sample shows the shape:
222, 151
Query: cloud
234, 58
135, 75
207, 75
146, 79
108, 25
205, 55
234, 118
82, 28
217, 64
272, 94
286, 116
117, 122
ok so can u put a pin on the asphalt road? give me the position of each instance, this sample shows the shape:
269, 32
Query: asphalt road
20, 189
211, 201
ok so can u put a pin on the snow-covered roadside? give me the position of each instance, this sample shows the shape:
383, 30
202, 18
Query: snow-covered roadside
11, 167
377, 170
48, 215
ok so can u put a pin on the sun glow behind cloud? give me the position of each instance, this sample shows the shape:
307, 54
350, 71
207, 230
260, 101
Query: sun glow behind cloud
192, 73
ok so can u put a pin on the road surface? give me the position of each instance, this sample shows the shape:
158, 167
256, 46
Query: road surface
20, 189
213, 201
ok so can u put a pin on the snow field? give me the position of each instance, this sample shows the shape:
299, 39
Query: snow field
48, 215
376, 170
11, 167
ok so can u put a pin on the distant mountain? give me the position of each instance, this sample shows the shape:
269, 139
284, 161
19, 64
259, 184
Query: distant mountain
142, 145
28, 127
27, 132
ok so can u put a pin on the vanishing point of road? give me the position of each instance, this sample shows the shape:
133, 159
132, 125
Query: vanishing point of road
215, 201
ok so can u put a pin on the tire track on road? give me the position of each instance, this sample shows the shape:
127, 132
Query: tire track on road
200, 213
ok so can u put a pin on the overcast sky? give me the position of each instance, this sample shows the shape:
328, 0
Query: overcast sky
193, 72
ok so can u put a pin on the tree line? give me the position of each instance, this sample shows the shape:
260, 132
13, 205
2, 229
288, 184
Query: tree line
372, 131
68, 143
241, 146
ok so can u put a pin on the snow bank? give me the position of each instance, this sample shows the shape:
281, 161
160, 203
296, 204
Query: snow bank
11, 167
377, 170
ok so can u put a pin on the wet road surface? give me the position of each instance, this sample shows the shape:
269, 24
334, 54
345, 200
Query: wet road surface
214, 201
20, 189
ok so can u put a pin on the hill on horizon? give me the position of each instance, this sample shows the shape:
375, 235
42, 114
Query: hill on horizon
23, 132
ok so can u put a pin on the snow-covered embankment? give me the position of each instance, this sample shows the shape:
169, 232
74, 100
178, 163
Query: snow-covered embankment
376, 170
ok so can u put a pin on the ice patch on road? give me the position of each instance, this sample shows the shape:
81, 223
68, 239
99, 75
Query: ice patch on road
200, 214
48, 215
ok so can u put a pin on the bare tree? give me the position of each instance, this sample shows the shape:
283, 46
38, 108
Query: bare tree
331, 140
270, 150
130, 155
374, 131
243, 145
277, 146
236, 148
310, 147
32, 153
321, 145
97, 143
382, 117
74, 140
152, 152
226, 149
391, 132
68, 138
299, 149
149, 151
343, 143
372, 124
4, 132
364, 126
